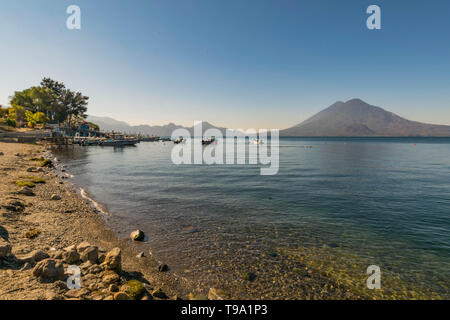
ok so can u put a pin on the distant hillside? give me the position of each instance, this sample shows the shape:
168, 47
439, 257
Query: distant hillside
357, 118
110, 124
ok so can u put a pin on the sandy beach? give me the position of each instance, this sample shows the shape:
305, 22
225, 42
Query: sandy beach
42, 227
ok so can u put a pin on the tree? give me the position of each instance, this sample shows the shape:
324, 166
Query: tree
53, 100
66, 104
16, 113
3, 112
30, 119
40, 117
35, 99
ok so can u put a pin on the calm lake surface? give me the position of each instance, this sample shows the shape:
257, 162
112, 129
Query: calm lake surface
340, 206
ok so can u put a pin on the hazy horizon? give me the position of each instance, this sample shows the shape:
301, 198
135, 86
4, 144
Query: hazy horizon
252, 64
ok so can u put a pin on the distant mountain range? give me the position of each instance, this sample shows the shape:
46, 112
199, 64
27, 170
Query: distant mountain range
110, 124
357, 118
354, 118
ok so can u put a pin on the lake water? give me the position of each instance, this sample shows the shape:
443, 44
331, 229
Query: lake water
310, 231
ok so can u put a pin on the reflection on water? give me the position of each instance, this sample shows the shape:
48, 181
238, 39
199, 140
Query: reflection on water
331, 211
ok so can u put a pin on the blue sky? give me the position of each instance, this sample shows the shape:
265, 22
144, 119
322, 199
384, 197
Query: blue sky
235, 63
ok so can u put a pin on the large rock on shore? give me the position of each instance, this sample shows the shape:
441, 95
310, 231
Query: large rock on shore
83, 246
113, 260
90, 254
49, 270
71, 257
137, 235
5, 248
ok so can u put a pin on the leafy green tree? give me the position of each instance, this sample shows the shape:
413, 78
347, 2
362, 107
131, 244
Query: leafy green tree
39, 117
53, 100
30, 119
3, 112
17, 113
66, 104
35, 99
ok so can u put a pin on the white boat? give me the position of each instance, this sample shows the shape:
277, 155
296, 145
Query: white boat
256, 141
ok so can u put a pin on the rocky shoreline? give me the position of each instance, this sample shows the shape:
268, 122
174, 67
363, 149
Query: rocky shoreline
48, 233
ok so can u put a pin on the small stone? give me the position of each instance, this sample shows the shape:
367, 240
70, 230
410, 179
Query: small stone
14, 206
70, 248
90, 254
83, 246
113, 288
113, 260
49, 269
110, 278
163, 268
86, 265
140, 255
56, 254
31, 169
137, 235
26, 191
77, 293
71, 257
55, 197
121, 296
101, 258
95, 269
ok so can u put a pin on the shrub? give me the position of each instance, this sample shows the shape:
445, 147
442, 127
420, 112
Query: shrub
11, 122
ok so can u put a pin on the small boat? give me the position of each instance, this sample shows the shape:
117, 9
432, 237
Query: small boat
208, 141
119, 141
256, 141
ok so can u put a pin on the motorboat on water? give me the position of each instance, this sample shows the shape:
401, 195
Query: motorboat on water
256, 141
119, 141
208, 141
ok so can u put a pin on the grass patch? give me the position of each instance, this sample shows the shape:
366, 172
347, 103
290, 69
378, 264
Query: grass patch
33, 179
135, 289
23, 183
47, 163
33, 233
